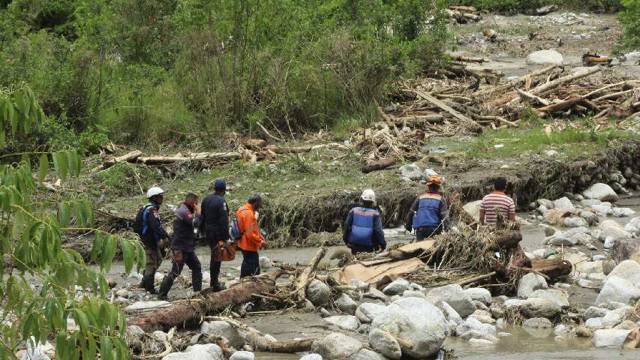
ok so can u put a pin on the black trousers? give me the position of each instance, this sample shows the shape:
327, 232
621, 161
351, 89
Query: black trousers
426, 232
250, 264
191, 260
214, 264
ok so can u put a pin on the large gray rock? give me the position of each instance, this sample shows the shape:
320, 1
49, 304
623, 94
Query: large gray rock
366, 312
449, 313
473, 209
564, 204
396, 287
242, 355
618, 290
411, 172
346, 304
530, 283
622, 212
318, 293
312, 357
615, 317
198, 351
454, 296
557, 296
633, 227
336, 346
628, 270
479, 294
419, 325
224, 329
535, 307
594, 312
345, 322
574, 222
473, 328
612, 232
384, 343
609, 338
545, 57
537, 323
602, 192
366, 354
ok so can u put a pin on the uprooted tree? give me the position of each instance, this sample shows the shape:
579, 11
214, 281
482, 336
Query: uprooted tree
44, 285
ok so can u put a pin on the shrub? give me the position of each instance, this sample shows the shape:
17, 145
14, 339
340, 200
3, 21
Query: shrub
630, 20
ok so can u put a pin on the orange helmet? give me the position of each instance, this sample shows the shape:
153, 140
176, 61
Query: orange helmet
434, 180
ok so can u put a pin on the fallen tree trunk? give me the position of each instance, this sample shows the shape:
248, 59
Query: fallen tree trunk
189, 312
553, 268
378, 165
514, 83
303, 281
474, 126
129, 157
561, 106
158, 160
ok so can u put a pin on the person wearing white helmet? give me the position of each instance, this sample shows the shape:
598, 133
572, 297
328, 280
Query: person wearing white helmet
362, 231
149, 227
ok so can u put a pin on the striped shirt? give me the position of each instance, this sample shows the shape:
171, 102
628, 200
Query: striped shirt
494, 203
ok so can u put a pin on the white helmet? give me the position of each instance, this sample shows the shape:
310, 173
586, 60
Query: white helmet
153, 191
368, 195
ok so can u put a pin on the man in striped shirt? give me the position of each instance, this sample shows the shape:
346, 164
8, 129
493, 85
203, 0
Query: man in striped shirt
497, 203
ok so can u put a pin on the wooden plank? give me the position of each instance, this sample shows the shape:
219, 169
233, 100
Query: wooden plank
474, 125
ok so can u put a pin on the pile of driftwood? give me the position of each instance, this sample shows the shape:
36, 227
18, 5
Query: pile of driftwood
464, 14
457, 103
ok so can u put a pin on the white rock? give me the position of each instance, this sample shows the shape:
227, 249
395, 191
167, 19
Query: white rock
122, 293
473, 209
413, 293
146, 305
419, 323
561, 330
411, 172
336, 346
612, 232
530, 283
318, 292
545, 57
622, 212
594, 323
198, 351
575, 222
265, 263
628, 270
536, 307
345, 322
481, 342
615, 317
609, 338
472, 327
594, 312
311, 357
454, 296
243, 355
564, 204
588, 267
537, 323
396, 287
603, 209
224, 329
479, 294
513, 304
384, 343
346, 304
619, 290
483, 316
557, 296
602, 192
366, 354
449, 313
366, 312
159, 335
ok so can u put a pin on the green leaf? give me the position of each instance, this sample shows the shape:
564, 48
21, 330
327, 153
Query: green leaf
61, 164
128, 255
43, 168
98, 246
109, 252
106, 348
83, 322
64, 213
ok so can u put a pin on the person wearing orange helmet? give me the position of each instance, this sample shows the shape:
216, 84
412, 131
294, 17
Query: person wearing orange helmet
429, 212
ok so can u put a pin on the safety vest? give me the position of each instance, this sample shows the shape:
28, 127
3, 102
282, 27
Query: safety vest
362, 226
428, 212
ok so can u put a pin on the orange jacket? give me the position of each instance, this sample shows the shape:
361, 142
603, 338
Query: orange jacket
251, 239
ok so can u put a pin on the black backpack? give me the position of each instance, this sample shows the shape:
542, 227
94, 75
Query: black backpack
138, 224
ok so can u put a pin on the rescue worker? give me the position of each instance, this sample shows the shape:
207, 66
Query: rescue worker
428, 215
215, 224
251, 239
183, 245
497, 205
362, 230
152, 235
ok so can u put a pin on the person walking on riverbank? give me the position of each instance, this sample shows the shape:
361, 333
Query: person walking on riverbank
429, 213
497, 205
215, 225
149, 227
183, 245
251, 238
362, 231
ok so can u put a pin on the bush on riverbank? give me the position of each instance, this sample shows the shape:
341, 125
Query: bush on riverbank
630, 19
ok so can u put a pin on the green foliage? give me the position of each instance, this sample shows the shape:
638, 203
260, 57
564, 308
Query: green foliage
630, 20
125, 179
38, 276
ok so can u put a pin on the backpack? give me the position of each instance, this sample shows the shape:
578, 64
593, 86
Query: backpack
139, 225
235, 232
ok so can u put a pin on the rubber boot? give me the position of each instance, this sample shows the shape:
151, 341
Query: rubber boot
147, 283
166, 285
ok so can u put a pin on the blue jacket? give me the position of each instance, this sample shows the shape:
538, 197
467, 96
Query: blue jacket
363, 230
152, 229
428, 210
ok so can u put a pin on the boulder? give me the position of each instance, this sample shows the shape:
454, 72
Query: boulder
603, 209
345, 322
312, 357
609, 338
396, 287
627, 325
573, 222
366, 354
618, 290
413, 293
530, 283
198, 351
602, 192
375, 294
594, 312
318, 293
536, 307
557, 296
479, 294
594, 323
384, 343
346, 304
628, 270
615, 317
633, 227
561, 330
411, 172
473, 328
417, 323
611, 232
454, 296
590, 217
366, 312
545, 57
336, 346
548, 204
481, 342
265, 263
243, 355
473, 209
483, 316
564, 204
537, 323
449, 313
589, 267
224, 329
622, 212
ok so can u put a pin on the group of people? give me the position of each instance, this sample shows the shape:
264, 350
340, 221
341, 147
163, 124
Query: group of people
211, 219
362, 230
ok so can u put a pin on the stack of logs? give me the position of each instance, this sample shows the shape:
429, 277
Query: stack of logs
464, 14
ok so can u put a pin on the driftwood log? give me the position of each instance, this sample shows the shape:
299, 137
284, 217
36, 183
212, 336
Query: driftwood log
188, 313
376, 165
305, 278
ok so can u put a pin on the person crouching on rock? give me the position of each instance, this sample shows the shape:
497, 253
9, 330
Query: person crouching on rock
429, 212
183, 245
362, 230
251, 239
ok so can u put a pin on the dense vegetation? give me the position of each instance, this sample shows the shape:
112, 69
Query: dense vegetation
164, 70
630, 19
